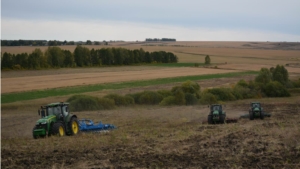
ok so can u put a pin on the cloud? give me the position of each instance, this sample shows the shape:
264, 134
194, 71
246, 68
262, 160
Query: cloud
98, 30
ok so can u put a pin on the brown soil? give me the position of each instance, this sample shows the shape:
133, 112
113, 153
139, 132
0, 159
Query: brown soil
173, 137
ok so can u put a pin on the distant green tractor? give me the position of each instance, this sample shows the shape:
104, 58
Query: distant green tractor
256, 111
55, 120
216, 115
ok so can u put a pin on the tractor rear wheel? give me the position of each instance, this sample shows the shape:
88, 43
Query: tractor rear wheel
74, 126
262, 115
58, 129
251, 115
209, 119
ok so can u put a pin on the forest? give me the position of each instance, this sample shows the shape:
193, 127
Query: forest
55, 57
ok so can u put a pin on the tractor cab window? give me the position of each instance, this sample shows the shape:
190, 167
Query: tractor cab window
65, 110
255, 105
50, 110
216, 108
54, 110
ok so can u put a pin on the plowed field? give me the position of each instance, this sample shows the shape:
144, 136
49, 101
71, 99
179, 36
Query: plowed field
173, 137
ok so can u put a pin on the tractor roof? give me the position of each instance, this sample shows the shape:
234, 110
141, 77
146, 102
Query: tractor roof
57, 104
255, 102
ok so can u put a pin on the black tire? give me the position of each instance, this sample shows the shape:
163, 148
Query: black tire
209, 119
262, 115
74, 126
58, 129
35, 137
222, 119
251, 115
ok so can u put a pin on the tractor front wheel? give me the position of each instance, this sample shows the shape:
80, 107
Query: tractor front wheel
209, 119
74, 126
251, 115
34, 136
58, 129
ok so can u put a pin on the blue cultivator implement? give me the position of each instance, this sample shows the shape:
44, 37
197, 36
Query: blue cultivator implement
87, 125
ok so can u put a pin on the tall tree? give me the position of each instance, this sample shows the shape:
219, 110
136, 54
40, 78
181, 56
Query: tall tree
55, 56
264, 76
82, 56
207, 60
280, 74
88, 42
69, 58
6, 62
36, 59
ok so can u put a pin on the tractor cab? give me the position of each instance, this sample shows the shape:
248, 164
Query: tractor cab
256, 111
216, 107
60, 110
255, 105
216, 115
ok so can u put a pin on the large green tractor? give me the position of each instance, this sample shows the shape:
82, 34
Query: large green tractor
216, 114
256, 111
55, 120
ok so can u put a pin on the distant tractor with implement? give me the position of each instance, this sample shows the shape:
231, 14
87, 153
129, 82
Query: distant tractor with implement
256, 111
55, 120
216, 114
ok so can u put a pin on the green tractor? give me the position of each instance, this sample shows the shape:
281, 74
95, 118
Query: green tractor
256, 111
216, 115
55, 120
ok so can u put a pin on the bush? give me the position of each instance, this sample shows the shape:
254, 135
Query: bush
280, 74
264, 76
208, 98
167, 101
120, 100
136, 97
296, 83
190, 99
275, 89
165, 93
241, 92
222, 94
84, 102
190, 87
150, 97
242, 83
179, 97
17, 67
106, 104
207, 60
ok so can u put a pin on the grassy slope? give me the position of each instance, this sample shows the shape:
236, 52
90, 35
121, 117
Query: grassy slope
29, 95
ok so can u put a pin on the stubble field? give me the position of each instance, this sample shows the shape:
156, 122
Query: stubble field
155, 136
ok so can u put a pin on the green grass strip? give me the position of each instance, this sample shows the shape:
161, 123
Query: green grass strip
176, 64
37, 94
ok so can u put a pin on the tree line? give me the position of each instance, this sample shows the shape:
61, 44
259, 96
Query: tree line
55, 57
47, 43
163, 39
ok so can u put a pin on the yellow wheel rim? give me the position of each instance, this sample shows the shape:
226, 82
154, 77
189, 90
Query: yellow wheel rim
61, 131
75, 127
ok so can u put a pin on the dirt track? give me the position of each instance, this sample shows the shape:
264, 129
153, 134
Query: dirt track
17, 84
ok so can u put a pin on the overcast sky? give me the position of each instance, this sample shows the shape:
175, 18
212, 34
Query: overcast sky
130, 20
